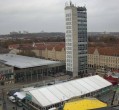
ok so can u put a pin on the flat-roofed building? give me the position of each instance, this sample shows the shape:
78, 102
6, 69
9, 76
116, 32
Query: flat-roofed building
30, 68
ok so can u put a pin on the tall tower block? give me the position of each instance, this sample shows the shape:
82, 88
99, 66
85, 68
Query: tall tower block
76, 40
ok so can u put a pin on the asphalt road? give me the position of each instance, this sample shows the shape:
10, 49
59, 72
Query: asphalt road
9, 104
33, 83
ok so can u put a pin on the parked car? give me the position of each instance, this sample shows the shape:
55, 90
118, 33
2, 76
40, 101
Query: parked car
12, 99
11, 92
54, 108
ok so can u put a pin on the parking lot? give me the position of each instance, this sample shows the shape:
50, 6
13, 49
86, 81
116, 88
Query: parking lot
45, 81
10, 105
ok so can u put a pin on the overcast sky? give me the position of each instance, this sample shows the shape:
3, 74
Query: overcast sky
48, 15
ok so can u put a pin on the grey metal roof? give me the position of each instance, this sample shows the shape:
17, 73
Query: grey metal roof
24, 61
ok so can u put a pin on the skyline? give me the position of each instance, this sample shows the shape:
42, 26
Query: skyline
35, 16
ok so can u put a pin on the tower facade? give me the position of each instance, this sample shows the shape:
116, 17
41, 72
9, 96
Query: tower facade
76, 40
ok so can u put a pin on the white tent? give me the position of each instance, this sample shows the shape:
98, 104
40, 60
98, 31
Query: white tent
20, 95
49, 95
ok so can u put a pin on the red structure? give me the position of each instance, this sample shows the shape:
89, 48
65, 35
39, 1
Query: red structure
112, 78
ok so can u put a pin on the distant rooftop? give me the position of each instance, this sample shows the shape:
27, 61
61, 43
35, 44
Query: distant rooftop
24, 61
3, 50
109, 51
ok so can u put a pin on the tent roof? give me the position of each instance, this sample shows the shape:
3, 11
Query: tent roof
20, 95
84, 104
53, 94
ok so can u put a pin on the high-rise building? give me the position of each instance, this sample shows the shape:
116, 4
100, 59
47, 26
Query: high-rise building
76, 40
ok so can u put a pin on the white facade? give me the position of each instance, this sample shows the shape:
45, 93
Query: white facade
76, 40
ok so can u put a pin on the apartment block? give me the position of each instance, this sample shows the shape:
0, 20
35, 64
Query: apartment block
76, 40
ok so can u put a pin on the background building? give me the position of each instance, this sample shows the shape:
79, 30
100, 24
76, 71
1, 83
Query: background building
103, 57
76, 40
48, 50
4, 50
99, 58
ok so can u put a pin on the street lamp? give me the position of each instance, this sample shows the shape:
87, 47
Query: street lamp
3, 98
15, 96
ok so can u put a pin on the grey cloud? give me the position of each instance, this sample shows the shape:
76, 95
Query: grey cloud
48, 15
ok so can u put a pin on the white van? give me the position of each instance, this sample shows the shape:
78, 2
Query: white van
54, 108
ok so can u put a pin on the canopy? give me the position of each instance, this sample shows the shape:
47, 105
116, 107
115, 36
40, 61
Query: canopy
20, 95
49, 95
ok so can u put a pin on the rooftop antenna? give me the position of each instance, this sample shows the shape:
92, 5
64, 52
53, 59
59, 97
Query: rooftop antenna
70, 3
